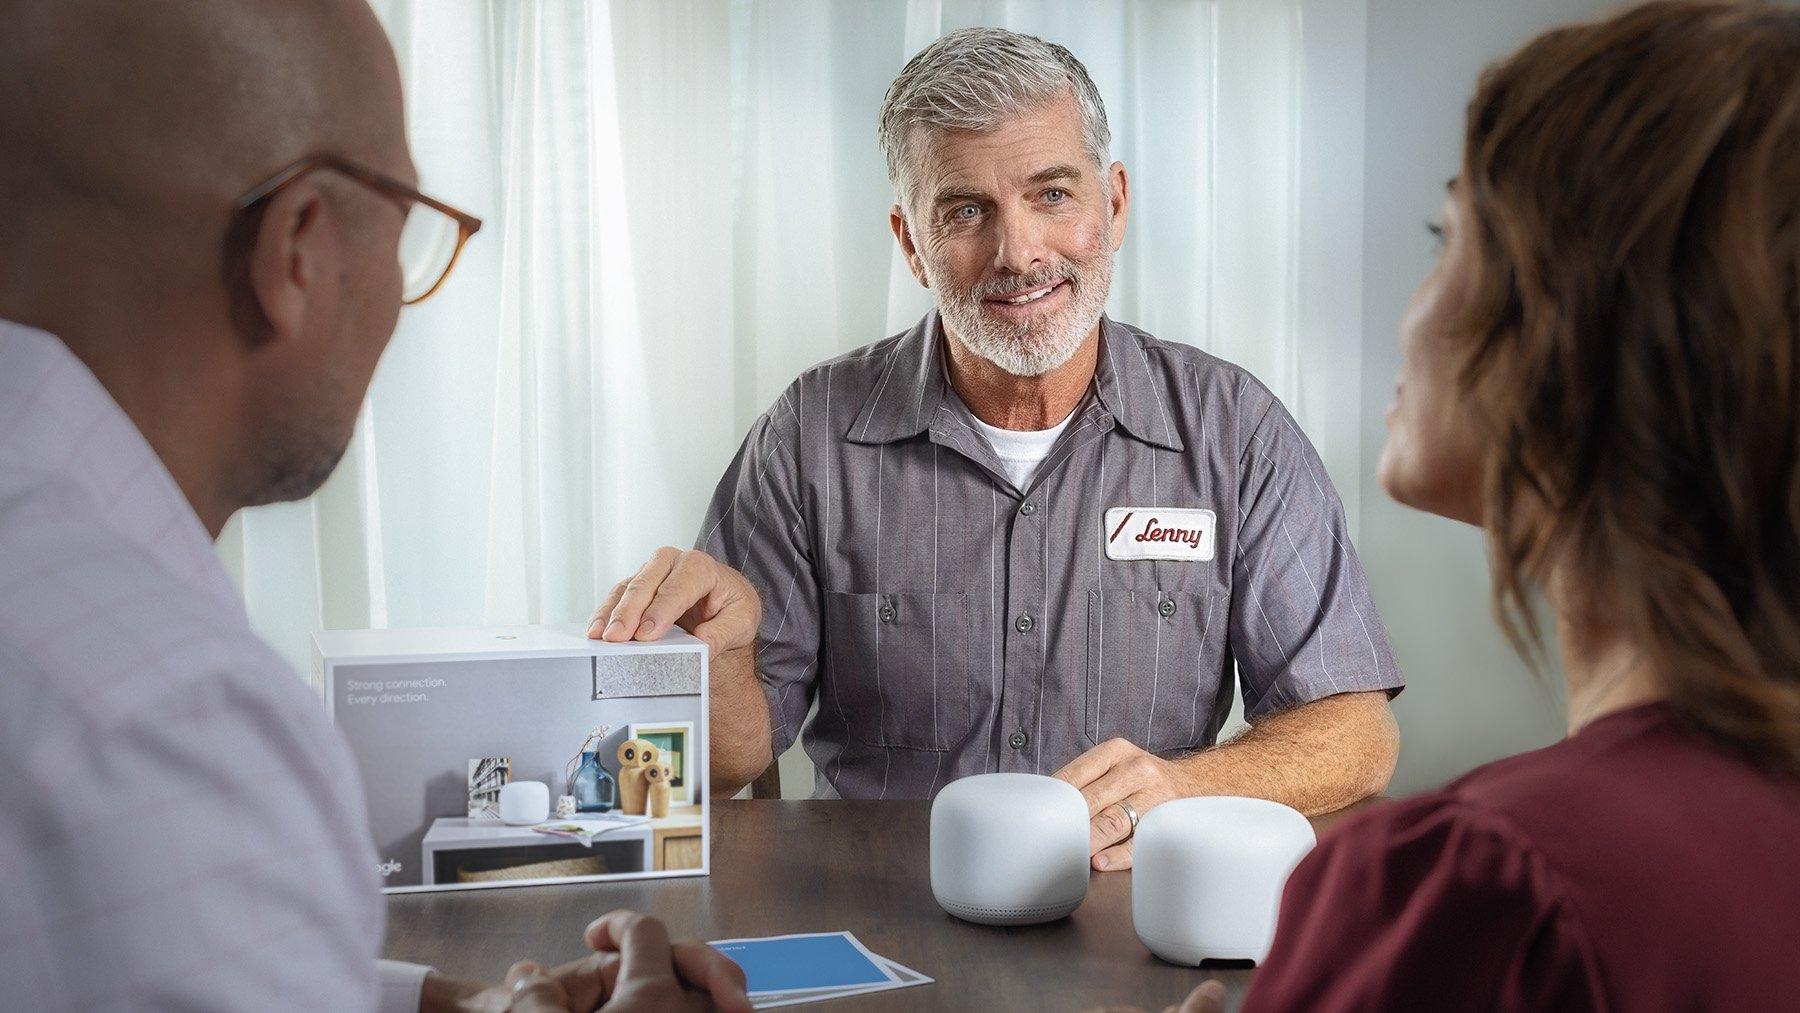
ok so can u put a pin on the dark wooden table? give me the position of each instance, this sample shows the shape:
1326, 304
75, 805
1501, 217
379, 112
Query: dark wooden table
791, 866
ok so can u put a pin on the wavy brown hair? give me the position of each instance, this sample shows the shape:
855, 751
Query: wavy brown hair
1631, 190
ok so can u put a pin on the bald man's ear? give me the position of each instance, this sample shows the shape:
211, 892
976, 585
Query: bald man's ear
290, 257
903, 235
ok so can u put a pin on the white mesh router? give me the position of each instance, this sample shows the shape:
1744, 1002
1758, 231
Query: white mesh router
1207, 875
1009, 849
523, 803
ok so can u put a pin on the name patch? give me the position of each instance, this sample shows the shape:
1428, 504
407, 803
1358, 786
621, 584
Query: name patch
1178, 533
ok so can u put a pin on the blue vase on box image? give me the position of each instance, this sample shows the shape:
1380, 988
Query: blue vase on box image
595, 790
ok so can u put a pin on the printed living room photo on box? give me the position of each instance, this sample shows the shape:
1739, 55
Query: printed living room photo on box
493, 758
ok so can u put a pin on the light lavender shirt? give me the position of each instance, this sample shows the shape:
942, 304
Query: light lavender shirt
180, 826
947, 619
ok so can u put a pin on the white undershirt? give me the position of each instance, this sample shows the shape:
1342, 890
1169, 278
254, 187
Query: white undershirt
1020, 453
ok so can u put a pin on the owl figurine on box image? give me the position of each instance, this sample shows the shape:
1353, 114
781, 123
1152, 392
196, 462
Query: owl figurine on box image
656, 778
634, 756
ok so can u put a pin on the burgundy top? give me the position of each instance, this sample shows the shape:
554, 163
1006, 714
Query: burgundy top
1631, 866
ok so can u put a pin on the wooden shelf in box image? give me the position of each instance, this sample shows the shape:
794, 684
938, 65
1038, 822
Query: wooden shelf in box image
676, 838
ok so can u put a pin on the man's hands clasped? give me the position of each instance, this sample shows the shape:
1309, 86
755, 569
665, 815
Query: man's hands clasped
634, 968
1116, 775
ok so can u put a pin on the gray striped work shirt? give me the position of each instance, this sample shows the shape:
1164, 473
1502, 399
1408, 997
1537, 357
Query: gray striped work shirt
949, 623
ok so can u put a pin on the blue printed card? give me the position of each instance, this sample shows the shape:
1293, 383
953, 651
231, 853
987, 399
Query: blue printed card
806, 962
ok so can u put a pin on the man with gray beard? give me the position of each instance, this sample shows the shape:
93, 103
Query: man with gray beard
1021, 536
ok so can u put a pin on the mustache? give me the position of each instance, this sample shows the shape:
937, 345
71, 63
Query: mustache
1035, 279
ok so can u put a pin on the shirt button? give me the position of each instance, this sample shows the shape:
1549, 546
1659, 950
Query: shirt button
1167, 608
887, 613
1017, 740
1028, 509
1024, 624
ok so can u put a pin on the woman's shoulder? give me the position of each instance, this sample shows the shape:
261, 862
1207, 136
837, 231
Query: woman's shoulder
1635, 845
1496, 804
1381, 913
1564, 806
1614, 786
1450, 836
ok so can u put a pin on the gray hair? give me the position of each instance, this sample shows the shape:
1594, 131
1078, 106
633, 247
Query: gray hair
977, 78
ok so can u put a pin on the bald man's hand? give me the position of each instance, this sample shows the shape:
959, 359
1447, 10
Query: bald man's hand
579, 986
634, 967
1207, 997
651, 974
529, 989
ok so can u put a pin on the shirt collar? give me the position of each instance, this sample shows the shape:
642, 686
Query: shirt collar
1130, 388
912, 386
59, 424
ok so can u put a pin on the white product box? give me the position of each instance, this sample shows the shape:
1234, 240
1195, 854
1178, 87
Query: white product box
429, 715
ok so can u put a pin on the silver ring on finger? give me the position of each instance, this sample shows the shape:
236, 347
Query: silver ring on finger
1130, 814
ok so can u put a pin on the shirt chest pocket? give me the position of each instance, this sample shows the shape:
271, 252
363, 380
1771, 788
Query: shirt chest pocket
1155, 667
898, 666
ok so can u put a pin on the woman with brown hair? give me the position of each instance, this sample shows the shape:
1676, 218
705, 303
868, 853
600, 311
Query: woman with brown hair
1603, 372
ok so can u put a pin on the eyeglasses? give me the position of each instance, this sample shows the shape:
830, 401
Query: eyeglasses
430, 240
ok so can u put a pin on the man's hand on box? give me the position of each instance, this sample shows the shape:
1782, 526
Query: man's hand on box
716, 603
689, 589
1113, 776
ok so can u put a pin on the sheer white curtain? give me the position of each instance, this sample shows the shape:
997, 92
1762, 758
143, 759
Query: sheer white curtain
686, 206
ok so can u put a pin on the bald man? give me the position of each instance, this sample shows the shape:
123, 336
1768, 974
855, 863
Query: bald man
202, 206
